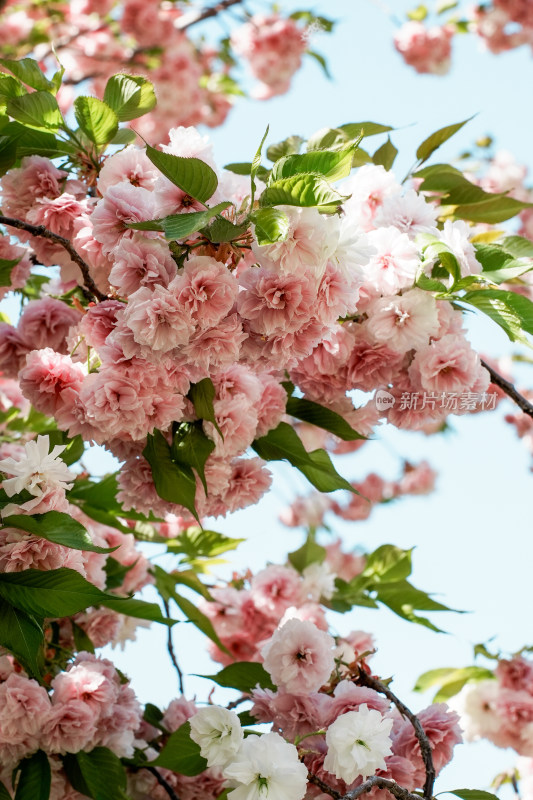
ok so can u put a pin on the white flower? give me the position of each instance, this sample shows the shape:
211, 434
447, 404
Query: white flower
37, 469
456, 235
476, 706
267, 768
218, 732
318, 581
410, 213
358, 742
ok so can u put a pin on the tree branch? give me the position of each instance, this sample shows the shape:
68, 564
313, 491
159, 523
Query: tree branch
172, 654
509, 389
91, 291
364, 679
188, 20
381, 783
323, 786
166, 786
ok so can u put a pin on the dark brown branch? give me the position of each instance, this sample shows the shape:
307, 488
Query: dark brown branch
364, 679
172, 654
324, 786
381, 783
188, 20
162, 782
237, 702
40, 230
509, 389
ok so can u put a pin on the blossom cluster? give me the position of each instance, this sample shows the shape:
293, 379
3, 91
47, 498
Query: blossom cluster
334, 304
501, 25
96, 38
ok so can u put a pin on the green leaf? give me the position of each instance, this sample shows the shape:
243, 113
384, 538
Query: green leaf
315, 414
308, 191
96, 119
198, 619
179, 226
497, 209
8, 153
404, 599
63, 592
354, 129
38, 110
124, 136
201, 395
197, 543
388, 564
256, 165
512, 312
35, 778
166, 581
115, 572
10, 87
283, 443
385, 155
6, 267
518, 246
152, 715
418, 14
331, 164
492, 257
57, 527
193, 176
240, 168
271, 225
81, 640
23, 636
222, 230
455, 188
4, 794
27, 70
309, 553
319, 58
98, 774
173, 482
471, 794
130, 96
433, 142
191, 447
181, 754
244, 676
287, 147
451, 680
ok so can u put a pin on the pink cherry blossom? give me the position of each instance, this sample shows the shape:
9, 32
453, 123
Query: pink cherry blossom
299, 657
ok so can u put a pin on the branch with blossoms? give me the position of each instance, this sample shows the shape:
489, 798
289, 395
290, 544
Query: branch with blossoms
91, 291
509, 389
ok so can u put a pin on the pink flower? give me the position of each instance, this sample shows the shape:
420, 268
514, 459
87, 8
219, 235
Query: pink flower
409, 213
446, 365
130, 165
215, 348
396, 261
158, 319
46, 323
441, 726
276, 303
46, 376
20, 551
515, 673
368, 188
404, 322
178, 712
249, 481
141, 262
208, 290
68, 728
291, 714
35, 178
276, 588
372, 365
425, 49
23, 706
123, 203
13, 350
299, 657
349, 697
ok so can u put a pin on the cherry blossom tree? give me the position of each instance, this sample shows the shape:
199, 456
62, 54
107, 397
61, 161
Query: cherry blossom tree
199, 323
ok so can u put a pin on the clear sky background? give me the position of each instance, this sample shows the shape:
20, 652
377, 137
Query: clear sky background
473, 536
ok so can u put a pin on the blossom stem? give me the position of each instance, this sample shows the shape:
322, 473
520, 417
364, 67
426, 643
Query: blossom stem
197, 16
90, 291
172, 654
509, 389
381, 783
162, 782
365, 679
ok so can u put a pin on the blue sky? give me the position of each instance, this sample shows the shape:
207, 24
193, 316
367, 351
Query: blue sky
473, 538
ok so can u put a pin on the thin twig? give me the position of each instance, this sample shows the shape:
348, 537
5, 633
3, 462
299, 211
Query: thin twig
204, 13
44, 233
324, 786
364, 679
509, 390
162, 782
172, 654
237, 702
